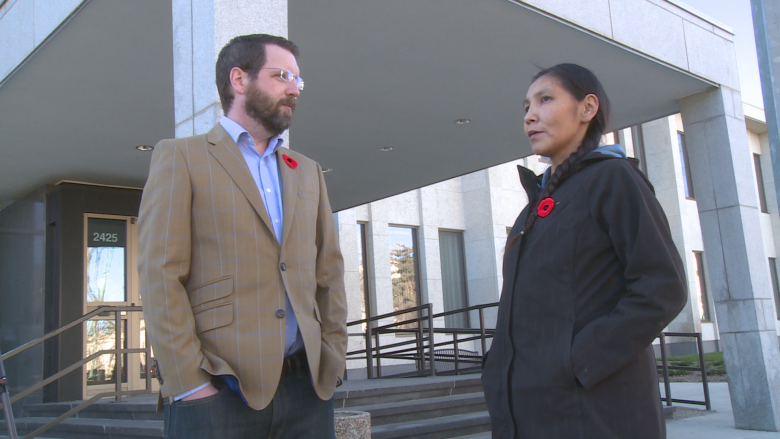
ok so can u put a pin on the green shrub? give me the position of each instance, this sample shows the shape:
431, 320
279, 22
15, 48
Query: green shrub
713, 363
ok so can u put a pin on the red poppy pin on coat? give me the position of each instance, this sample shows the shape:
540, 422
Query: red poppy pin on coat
290, 161
545, 207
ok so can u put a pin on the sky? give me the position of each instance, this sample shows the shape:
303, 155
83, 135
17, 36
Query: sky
737, 15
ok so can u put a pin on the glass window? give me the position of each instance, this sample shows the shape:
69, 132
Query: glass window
106, 273
685, 164
760, 183
639, 147
403, 271
775, 286
101, 336
365, 305
704, 301
453, 276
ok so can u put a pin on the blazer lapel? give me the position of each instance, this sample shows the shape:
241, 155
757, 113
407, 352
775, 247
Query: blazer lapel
226, 152
289, 180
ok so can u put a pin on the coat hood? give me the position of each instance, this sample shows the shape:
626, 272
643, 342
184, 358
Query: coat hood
533, 184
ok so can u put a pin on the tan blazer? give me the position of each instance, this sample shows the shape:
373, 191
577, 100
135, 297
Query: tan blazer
213, 275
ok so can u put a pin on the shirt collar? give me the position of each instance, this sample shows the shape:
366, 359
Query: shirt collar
235, 131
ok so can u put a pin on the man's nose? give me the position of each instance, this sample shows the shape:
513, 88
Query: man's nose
292, 89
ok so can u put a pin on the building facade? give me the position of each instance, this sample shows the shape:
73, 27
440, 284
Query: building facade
456, 231
86, 86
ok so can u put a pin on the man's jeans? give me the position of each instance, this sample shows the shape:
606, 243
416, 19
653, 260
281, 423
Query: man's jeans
295, 412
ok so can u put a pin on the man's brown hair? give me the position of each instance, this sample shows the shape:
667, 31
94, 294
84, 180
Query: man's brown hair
246, 52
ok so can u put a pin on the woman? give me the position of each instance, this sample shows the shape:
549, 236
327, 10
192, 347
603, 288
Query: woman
591, 277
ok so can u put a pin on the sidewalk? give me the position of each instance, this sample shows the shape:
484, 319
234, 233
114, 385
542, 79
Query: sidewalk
717, 425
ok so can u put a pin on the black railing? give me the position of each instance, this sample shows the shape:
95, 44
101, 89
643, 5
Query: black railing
117, 351
422, 348
432, 358
664, 368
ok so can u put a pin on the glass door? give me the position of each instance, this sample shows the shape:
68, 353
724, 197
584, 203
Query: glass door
111, 279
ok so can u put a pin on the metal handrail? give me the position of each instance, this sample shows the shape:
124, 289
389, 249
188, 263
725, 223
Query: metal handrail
117, 351
6, 403
665, 367
414, 349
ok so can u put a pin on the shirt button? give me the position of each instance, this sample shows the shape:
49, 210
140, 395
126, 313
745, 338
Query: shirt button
276, 221
280, 313
283, 266
268, 190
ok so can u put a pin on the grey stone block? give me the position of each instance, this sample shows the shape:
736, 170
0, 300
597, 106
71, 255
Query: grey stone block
353, 425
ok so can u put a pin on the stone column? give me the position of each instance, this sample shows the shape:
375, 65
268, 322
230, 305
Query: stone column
731, 230
429, 253
665, 173
349, 243
200, 29
766, 24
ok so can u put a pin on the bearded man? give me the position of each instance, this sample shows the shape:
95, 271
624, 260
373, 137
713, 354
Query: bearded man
240, 270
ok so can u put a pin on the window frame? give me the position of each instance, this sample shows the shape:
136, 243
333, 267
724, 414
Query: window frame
704, 297
685, 164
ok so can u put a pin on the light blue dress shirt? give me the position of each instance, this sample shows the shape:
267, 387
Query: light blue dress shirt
265, 171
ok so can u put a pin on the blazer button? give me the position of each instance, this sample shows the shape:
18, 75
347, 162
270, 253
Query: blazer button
282, 266
280, 313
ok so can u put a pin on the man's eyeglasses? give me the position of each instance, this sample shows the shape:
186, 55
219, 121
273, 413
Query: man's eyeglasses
287, 76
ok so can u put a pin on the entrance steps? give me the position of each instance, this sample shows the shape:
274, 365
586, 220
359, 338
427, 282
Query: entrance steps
430, 407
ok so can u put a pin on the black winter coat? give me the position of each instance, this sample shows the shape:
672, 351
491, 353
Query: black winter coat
585, 293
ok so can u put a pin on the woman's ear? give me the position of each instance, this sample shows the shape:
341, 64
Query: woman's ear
589, 107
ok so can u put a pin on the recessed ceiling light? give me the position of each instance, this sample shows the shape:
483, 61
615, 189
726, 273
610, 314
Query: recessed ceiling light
462, 121
327, 170
144, 147
386, 148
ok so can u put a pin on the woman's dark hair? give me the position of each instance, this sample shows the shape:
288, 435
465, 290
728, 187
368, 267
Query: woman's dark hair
579, 82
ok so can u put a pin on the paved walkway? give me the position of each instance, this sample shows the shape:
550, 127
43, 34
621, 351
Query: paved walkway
717, 425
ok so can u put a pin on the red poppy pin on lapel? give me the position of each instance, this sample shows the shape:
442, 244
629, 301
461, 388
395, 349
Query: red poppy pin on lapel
290, 161
545, 207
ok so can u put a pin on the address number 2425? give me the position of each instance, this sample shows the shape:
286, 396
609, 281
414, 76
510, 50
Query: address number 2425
105, 237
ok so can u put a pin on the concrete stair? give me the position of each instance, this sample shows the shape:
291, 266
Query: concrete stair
134, 418
431, 408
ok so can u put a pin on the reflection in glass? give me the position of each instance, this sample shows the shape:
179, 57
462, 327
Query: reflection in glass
143, 354
106, 274
106, 281
365, 304
101, 335
403, 272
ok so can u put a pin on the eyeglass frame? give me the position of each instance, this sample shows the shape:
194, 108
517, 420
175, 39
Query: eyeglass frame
298, 80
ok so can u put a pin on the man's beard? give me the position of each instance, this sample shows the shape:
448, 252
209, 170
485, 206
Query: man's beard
261, 108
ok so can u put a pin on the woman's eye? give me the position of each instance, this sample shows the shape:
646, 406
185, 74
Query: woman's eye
546, 98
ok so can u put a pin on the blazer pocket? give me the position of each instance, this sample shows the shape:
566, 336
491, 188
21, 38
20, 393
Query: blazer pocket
213, 318
317, 314
210, 291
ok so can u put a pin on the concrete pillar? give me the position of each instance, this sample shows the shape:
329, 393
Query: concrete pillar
430, 256
200, 29
483, 263
766, 25
492, 199
349, 243
665, 173
731, 230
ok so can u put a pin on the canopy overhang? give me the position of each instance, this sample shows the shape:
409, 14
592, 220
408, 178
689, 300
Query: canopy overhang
378, 74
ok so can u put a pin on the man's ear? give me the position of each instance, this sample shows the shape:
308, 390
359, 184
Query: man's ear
239, 79
589, 106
